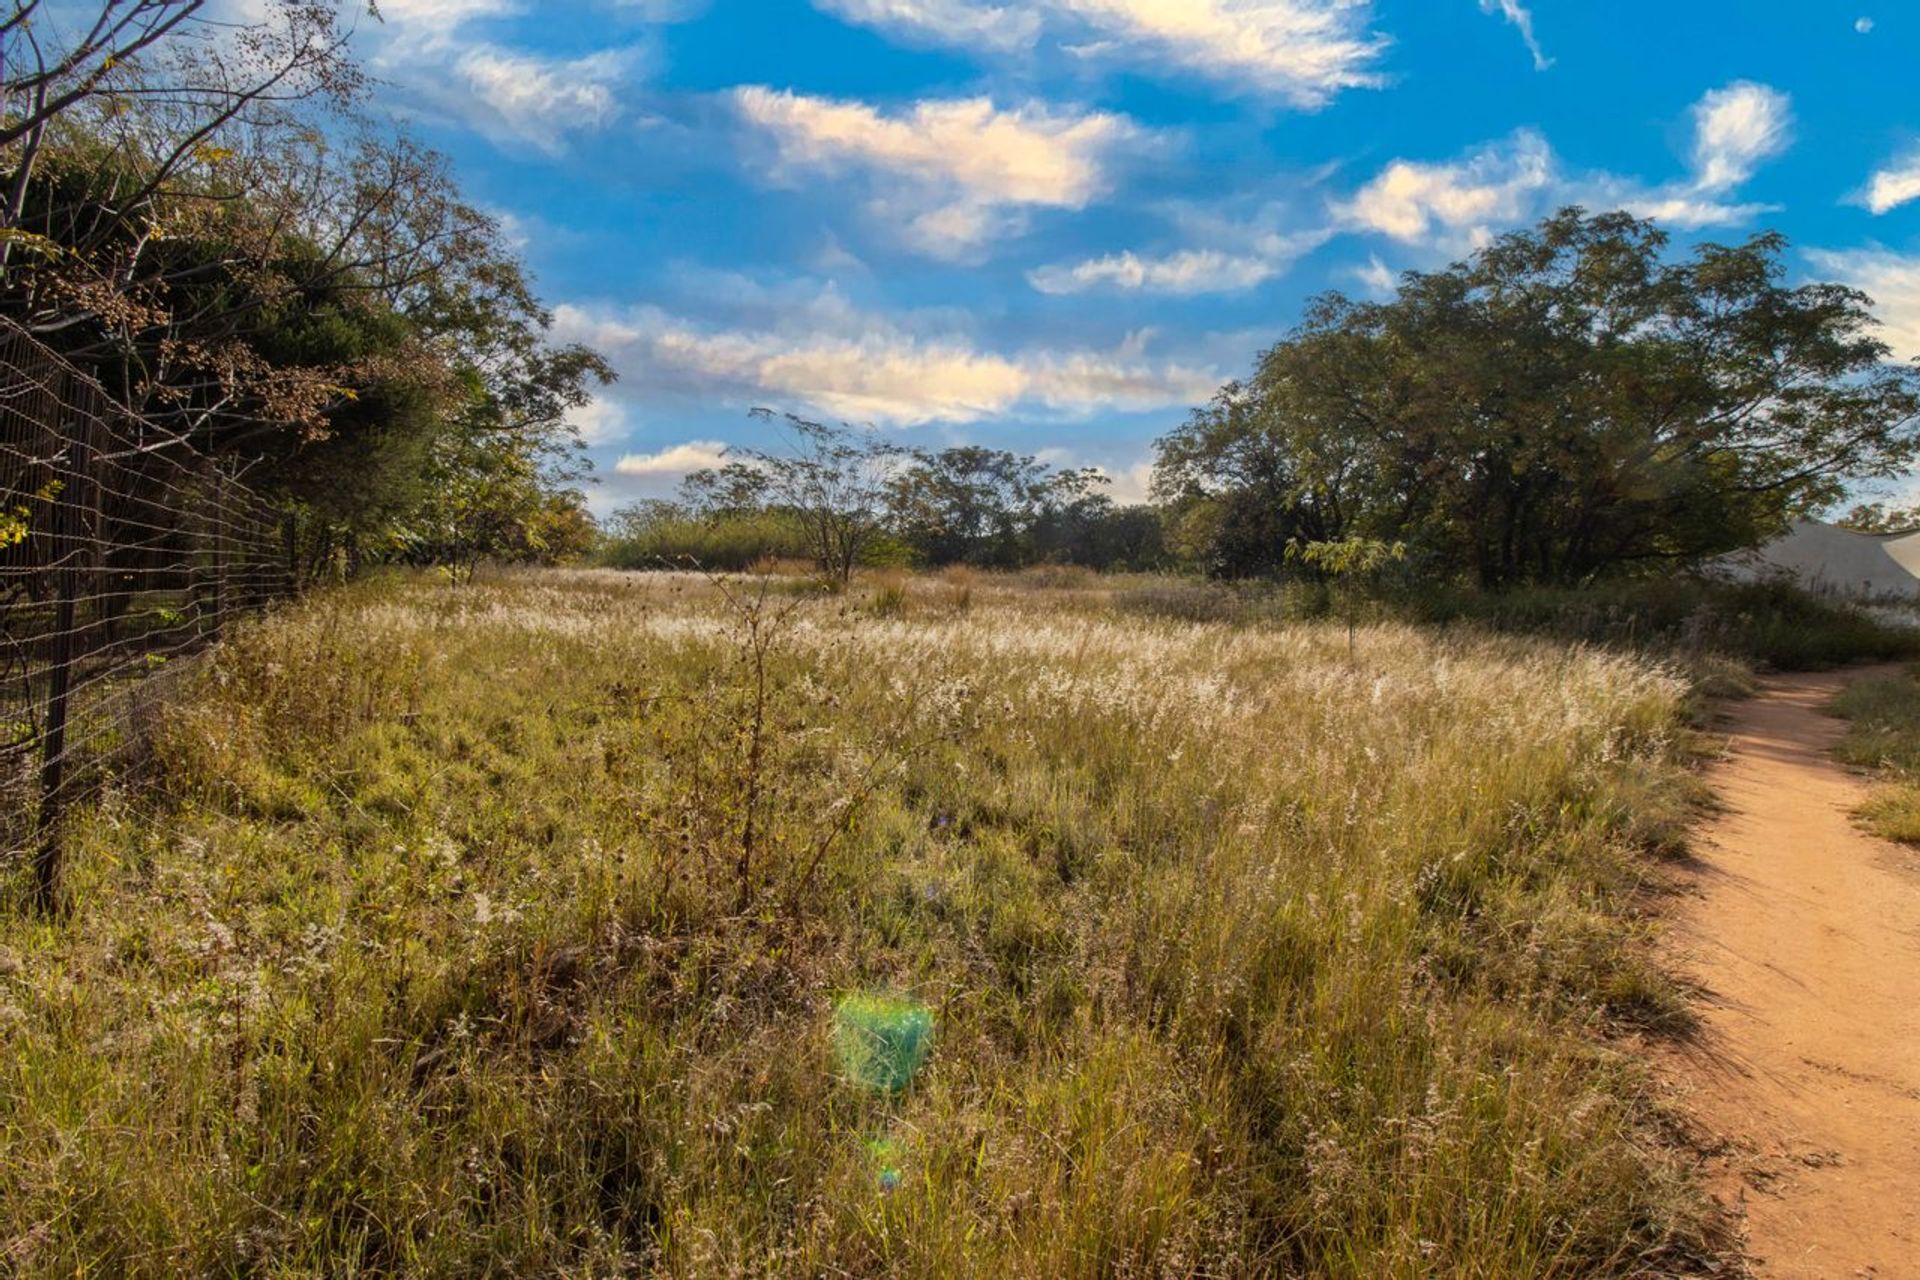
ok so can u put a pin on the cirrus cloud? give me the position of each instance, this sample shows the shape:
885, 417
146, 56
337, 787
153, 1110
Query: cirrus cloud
1189, 271
1522, 19
1303, 52
446, 62
952, 22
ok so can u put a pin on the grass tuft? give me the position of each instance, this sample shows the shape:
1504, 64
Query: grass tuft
1883, 734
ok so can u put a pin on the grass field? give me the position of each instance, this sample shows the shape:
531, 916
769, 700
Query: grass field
582, 923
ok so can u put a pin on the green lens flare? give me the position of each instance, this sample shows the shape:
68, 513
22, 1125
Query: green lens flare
882, 1041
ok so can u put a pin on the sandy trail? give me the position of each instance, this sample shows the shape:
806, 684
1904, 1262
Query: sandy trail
1805, 935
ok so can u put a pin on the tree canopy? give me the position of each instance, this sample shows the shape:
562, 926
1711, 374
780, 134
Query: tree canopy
196, 213
1569, 402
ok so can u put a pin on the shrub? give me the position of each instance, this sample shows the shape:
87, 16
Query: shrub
730, 544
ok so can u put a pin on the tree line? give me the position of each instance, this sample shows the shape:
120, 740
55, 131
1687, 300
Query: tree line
841, 497
1571, 403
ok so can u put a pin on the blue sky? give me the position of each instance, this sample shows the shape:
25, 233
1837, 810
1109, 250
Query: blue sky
1055, 225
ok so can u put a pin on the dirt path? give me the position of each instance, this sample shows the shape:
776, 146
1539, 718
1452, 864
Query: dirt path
1805, 935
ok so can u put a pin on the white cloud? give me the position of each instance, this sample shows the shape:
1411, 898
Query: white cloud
1863, 25
1522, 19
1302, 51
1130, 486
957, 22
443, 67
953, 173
1189, 271
1231, 257
1127, 485
1458, 202
599, 421
1736, 128
1892, 280
542, 100
674, 460
1377, 277
1676, 207
833, 359
1454, 206
1895, 185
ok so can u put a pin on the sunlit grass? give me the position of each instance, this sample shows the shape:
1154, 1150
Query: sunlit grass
1883, 734
1238, 956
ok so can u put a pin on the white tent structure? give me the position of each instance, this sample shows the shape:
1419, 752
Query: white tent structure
1836, 561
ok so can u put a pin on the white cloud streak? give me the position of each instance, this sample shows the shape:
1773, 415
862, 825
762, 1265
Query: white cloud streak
445, 68
674, 460
1735, 130
1303, 52
837, 361
1189, 271
1232, 259
1376, 277
1522, 19
944, 22
543, 100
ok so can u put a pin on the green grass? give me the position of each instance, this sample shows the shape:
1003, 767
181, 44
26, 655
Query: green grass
529, 928
1883, 733
1693, 620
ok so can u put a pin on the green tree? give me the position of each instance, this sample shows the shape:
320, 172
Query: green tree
968, 505
1878, 517
1569, 402
1354, 564
833, 480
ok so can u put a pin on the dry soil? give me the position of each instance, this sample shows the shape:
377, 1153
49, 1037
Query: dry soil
1804, 935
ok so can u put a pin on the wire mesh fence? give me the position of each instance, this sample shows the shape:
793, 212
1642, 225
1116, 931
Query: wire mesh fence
123, 550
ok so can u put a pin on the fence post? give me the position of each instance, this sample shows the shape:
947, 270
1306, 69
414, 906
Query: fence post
66, 650
219, 549
290, 542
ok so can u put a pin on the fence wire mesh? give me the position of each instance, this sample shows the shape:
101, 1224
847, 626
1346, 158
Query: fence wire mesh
123, 550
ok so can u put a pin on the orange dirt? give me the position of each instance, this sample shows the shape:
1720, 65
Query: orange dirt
1804, 934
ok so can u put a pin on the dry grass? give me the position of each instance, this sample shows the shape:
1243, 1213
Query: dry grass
441, 956
1883, 734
